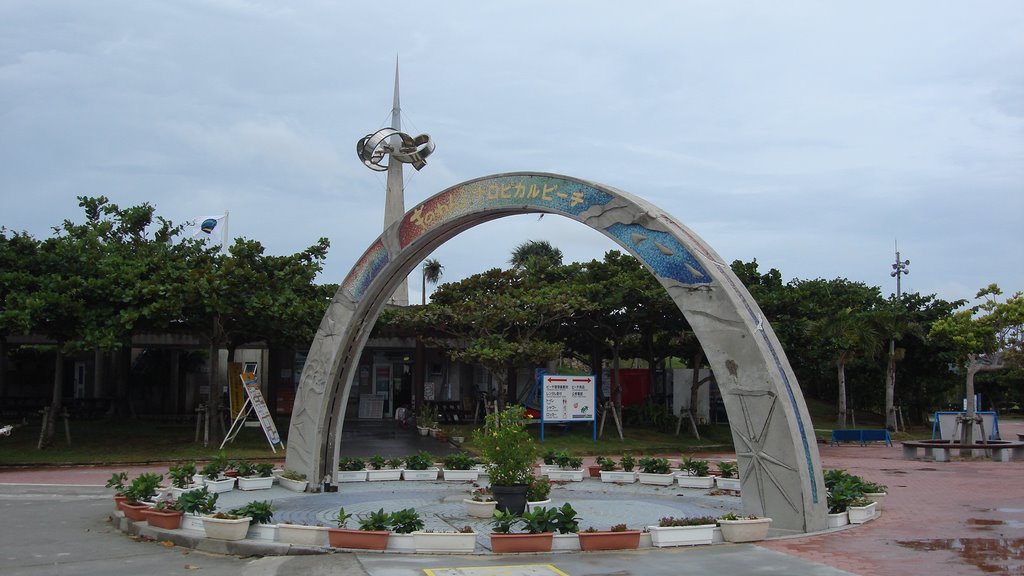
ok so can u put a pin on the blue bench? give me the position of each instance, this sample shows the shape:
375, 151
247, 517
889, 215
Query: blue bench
861, 436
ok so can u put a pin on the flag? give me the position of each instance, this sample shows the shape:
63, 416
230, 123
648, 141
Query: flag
213, 227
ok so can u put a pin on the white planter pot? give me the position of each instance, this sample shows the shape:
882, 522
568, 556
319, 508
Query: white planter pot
423, 430
220, 486
545, 468
198, 479
479, 509
727, 483
293, 485
645, 540
682, 535
192, 522
428, 474
530, 505
350, 476
618, 476
255, 482
837, 520
444, 541
656, 479
701, 482
177, 492
461, 475
385, 474
226, 529
401, 543
878, 498
745, 530
560, 475
302, 535
861, 514
262, 532
565, 542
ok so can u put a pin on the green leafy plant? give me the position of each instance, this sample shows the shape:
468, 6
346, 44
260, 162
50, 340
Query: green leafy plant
459, 461
503, 521
244, 468
395, 463
548, 457
567, 520
377, 462
873, 487
696, 466
627, 462
540, 520
293, 475
405, 521
212, 470
539, 489
119, 482
843, 494
466, 530
732, 516
166, 505
375, 521
181, 474
508, 447
143, 487
727, 469
264, 469
198, 501
342, 518
261, 512
419, 461
427, 416
654, 466
618, 528
686, 521
606, 464
351, 464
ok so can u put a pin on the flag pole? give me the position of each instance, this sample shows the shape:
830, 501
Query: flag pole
224, 235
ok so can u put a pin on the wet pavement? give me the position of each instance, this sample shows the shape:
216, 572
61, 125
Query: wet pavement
959, 517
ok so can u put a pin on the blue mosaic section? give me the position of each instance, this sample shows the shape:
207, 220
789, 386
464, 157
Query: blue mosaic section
662, 252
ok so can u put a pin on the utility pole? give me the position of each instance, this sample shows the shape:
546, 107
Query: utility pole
899, 269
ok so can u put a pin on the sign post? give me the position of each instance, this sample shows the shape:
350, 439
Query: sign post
254, 402
566, 398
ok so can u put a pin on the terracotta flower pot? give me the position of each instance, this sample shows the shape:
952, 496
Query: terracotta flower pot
624, 540
502, 543
362, 539
166, 519
134, 512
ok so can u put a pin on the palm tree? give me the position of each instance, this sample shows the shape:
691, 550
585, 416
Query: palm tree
847, 335
432, 272
535, 251
893, 325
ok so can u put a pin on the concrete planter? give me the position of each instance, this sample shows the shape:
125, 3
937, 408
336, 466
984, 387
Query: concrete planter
656, 479
700, 482
226, 528
562, 475
728, 483
428, 474
662, 537
444, 541
837, 520
255, 482
461, 475
302, 535
266, 532
877, 497
293, 485
479, 509
618, 476
350, 476
401, 543
192, 522
565, 543
220, 486
745, 530
861, 514
384, 475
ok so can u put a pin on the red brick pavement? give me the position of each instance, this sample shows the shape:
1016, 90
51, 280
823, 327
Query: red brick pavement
940, 518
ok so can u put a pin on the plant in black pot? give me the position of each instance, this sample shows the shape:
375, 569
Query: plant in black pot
510, 452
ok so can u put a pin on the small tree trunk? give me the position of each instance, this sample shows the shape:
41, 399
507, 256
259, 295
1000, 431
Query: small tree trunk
695, 383
617, 381
3, 367
890, 388
56, 403
967, 429
841, 379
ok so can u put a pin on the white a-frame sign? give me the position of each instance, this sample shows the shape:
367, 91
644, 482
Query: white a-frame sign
254, 402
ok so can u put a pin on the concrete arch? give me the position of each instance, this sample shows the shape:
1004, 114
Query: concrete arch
775, 446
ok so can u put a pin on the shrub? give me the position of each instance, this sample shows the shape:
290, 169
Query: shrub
627, 462
540, 520
181, 474
727, 469
419, 461
539, 489
375, 521
405, 521
459, 461
567, 522
261, 512
198, 501
686, 521
654, 466
503, 521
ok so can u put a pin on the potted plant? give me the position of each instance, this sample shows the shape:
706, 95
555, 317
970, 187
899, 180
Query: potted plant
627, 462
510, 452
119, 482
567, 527
548, 461
214, 479
570, 468
195, 503
459, 466
351, 469
141, 489
672, 531
697, 474
292, 480
610, 474
373, 532
538, 492
419, 466
462, 540
226, 526
255, 477
655, 471
539, 525
861, 510
164, 515
426, 419
618, 537
839, 498
874, 492
181, 475
382, 469
262, 514
403, 524
480, 504
743, 529
728, 478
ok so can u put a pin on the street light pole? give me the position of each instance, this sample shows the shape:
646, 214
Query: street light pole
899, 268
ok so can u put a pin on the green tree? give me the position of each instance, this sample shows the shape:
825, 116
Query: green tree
987, 336
847, 334
19, 254
535, 253
432, 272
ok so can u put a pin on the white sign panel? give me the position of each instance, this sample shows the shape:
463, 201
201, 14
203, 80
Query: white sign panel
568, 398
259, 405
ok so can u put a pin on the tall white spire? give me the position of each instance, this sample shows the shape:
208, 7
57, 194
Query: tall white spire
394, 203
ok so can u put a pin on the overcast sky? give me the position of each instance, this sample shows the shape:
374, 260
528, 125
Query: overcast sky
807, 135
